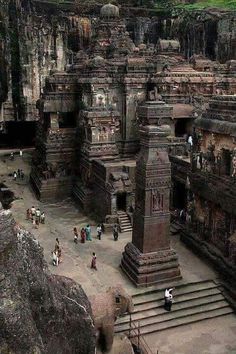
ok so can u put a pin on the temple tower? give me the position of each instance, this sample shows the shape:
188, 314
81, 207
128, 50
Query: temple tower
149, 259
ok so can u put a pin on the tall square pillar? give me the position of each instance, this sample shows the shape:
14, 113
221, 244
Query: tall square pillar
149, 259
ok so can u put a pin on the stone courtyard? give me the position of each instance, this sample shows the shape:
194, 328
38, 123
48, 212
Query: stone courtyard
211, 336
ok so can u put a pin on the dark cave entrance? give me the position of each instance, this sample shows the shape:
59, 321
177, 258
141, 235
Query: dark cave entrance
18, 134
211, 39
181, 127
179, 200
121, 201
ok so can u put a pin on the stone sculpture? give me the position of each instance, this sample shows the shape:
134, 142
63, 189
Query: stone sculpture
106, 307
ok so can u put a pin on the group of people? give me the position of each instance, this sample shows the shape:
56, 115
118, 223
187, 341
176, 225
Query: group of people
36, 216
85, 233
19, 174
56, 254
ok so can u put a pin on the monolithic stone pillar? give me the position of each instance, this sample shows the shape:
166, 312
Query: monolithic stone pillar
149, 258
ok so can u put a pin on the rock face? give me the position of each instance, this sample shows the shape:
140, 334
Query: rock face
210, 32
39, 312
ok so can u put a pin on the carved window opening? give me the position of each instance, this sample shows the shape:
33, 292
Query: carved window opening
67, 120
117, 299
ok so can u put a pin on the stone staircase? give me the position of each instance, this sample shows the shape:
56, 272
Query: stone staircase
193, 302
124, 222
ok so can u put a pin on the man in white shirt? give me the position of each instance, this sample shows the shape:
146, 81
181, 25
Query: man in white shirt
168, 299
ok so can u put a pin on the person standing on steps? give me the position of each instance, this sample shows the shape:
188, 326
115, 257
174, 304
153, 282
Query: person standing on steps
168, 299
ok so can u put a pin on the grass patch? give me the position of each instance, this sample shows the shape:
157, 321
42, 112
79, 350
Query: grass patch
201, 5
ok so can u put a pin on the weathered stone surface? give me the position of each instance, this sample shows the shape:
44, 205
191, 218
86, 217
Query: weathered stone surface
39, 312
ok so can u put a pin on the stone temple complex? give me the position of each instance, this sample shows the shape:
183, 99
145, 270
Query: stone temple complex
88, 134
130, 121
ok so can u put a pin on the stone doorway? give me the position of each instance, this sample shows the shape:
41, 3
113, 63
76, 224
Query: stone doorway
179, 196
121, 201
226, 158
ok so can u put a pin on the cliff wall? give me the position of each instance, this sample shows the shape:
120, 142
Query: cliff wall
39, 312
37, 39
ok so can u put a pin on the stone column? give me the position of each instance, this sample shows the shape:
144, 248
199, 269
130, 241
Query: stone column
149, 259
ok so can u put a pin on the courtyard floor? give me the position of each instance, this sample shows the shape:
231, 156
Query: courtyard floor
216, 336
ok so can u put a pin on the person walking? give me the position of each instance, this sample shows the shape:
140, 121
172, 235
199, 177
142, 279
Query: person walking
55, 260
168, 299
57, 245
42, 218
75, 235
115, 232
88, 233
99, 231
82, 235
33, 210
94, 261
14, 175
28, 214
38, 215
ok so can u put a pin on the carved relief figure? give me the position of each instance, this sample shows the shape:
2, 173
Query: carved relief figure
234, 164
157, 201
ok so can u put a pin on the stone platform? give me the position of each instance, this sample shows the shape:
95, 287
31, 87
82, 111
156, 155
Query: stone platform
145, 269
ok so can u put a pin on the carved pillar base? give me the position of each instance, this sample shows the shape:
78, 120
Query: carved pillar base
145, 269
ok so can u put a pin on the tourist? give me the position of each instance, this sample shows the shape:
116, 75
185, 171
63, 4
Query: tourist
115, 232
88, 233
168, 299
37, 215
103, 228
18, 173
75, 235
83, 235
55, 260
190, 142
42, 218
12, 156
94, 261
99, 231
59, 255
28, 214
21, 153
14, 175
57, 245
33, 210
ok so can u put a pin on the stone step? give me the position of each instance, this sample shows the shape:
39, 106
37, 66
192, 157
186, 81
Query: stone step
155, 294
156, 327
124, 219
175, 315
125, 223
178, 298
177, 306
127, 229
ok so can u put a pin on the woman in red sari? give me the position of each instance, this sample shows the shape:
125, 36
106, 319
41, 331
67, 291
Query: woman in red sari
83, 235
